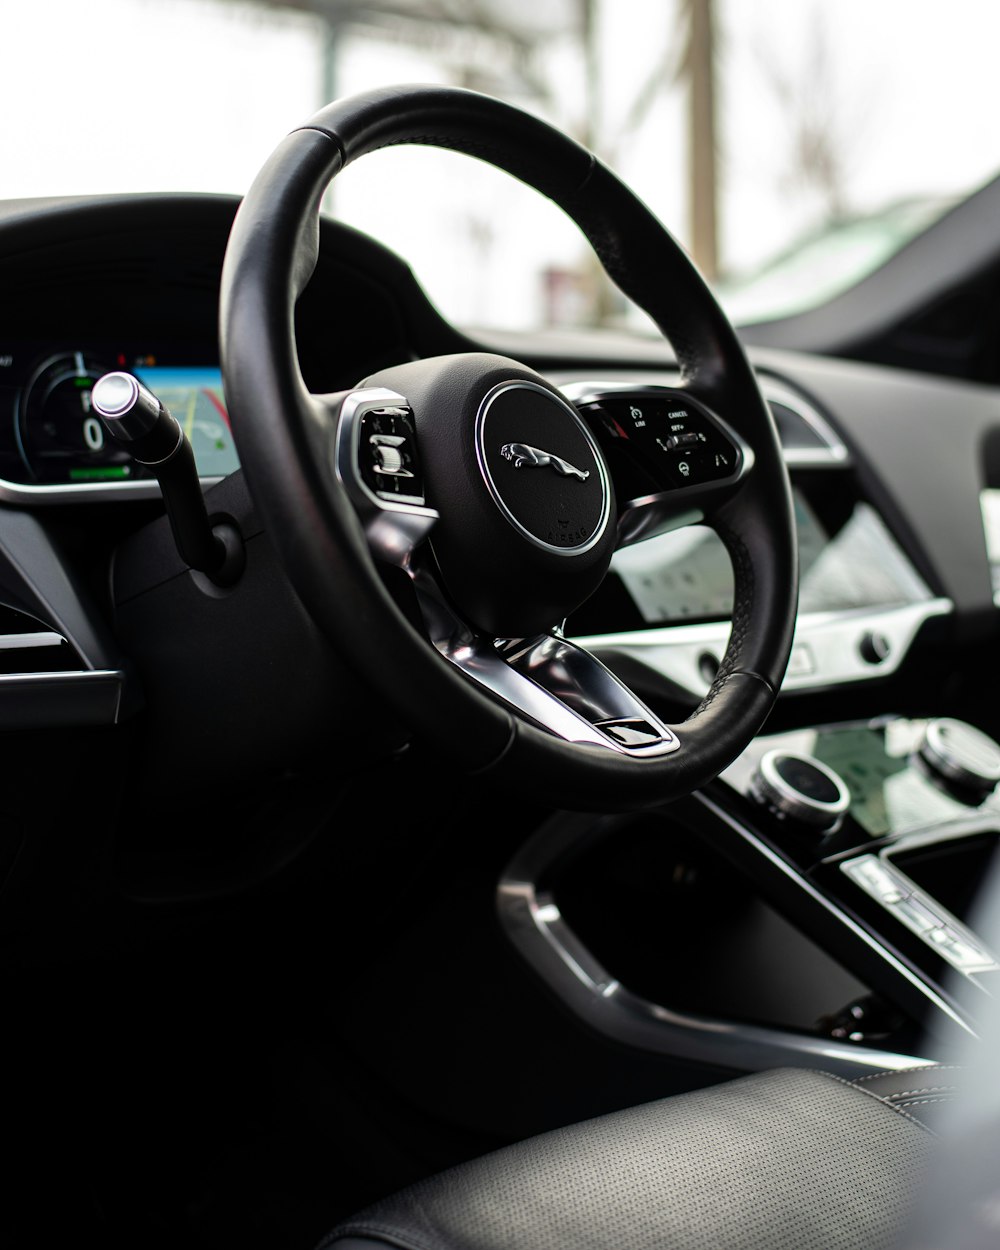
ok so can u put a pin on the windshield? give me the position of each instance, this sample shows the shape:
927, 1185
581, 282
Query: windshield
790, 145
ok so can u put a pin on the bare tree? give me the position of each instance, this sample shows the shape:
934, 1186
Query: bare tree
499, 46
822, 130
699, 71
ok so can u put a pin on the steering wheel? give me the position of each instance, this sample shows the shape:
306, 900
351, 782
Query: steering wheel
500, 497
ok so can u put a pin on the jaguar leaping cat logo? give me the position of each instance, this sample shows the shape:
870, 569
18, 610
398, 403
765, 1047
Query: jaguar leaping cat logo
521, 454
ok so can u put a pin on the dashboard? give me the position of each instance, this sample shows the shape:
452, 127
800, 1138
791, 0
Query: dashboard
888, 467
861, 602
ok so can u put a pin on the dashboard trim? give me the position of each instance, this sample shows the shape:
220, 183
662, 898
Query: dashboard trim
834, 453
825, 648
94, 492
535, 926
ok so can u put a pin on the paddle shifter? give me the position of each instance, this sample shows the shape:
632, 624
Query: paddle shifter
136, 419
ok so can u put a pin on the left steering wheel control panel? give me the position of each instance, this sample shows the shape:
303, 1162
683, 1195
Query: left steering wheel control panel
53, 443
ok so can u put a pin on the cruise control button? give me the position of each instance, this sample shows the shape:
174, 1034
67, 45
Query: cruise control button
697, 467
388, 460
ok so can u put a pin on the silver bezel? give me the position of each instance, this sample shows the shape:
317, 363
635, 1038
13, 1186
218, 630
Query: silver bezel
498, 499
940, 756
770, 787
393, 527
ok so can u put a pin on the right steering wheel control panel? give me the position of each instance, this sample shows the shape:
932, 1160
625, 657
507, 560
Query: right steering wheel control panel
898, 819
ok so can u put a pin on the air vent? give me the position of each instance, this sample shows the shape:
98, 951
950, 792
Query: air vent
807, 439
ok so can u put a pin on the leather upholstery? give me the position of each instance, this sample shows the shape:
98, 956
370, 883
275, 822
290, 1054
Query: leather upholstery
786, 1159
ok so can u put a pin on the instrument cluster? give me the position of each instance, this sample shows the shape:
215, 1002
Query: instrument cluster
51, 437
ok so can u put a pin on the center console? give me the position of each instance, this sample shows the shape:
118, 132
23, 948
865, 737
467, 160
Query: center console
914, 836
815, 906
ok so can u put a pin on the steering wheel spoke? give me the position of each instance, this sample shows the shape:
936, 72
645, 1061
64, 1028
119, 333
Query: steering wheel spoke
555, 683
672, 459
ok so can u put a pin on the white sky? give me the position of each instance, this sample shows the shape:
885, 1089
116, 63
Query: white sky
108, 95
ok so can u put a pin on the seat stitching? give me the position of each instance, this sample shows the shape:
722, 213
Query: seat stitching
386, 1235
923, 1067
920, 1102
882, 1101
927, 1089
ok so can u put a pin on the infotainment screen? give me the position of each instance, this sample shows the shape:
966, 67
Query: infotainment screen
686, 574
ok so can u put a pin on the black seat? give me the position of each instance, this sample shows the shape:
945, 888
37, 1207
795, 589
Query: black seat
791, 1158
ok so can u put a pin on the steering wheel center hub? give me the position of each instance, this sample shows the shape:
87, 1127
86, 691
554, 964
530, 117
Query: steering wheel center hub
542, 468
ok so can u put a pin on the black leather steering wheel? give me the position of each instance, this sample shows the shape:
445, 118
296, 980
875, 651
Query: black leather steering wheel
500, 498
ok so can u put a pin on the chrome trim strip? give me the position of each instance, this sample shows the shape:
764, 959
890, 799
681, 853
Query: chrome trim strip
824, 648
533, 923
18, 642
93, 492
70, 676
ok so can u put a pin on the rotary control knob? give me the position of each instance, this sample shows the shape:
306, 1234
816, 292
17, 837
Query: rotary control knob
800, 788
960, 758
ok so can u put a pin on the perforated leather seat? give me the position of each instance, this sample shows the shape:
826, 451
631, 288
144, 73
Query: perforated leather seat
791, 1159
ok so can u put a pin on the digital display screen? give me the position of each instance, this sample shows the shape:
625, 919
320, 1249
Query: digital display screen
687, 575
194, 397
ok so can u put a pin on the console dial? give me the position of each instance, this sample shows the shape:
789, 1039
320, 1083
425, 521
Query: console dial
800, 788
964, 760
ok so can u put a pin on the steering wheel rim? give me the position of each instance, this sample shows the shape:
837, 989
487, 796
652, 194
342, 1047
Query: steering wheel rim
286, 439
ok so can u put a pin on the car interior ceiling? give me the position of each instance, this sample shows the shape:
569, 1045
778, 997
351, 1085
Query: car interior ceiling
269, 955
